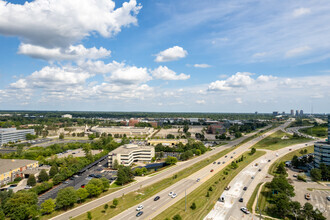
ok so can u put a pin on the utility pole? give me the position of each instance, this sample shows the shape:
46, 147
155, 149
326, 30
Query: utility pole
185, 194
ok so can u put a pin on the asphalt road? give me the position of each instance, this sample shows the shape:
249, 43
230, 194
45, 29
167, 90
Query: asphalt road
147, 181
153, 208
230, 208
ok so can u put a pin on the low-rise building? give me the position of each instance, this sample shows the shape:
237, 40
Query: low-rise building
12, 135
130, 153
322, 150
166, 142
67, 116
121, 130
216, 129
10, 169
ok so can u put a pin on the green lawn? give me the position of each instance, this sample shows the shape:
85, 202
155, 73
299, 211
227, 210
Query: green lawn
253, 197
272, 168
317, 131
275, 141
205, 204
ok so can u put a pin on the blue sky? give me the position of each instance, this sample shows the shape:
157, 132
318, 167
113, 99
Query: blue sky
165, 55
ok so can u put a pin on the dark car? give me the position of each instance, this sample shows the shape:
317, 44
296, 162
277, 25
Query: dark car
156, 198
231, 157
71, 178
259, 170
219, 162
139, 214
98, 176
245, 188
240, 200
214, 162
226, 156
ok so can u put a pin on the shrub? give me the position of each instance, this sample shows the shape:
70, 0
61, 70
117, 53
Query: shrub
193, 206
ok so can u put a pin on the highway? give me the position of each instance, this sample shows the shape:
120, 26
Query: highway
230, 208
146, 181
153, 208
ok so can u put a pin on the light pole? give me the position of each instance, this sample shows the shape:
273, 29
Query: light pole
185, 194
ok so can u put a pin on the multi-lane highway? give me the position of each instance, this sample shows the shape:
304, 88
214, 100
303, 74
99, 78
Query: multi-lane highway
153, 208
249, 177
147, 181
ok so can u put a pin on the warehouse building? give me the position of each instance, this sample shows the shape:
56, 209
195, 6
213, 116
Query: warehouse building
130, 153
10, 169
12, 135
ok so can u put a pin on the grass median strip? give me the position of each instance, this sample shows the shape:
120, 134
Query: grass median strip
279, 140
135, 198
272, 168
253, 197
203, 197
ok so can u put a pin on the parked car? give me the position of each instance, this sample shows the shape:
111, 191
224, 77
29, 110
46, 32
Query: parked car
328, 198
139, 214
156, 198
245, 210
227, 188
139, 208
308, 196
28, 187
12, 186
240, 200
259, 170
245, 188
82, 186
66, 182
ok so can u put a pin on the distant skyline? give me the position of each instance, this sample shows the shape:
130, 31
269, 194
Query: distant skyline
165, 55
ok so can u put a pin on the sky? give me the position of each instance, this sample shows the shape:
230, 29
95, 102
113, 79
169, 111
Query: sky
165, 55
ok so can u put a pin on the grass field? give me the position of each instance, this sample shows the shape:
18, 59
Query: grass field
253, 197
275, 141
272, 168
135, 198
205, 204
317, 131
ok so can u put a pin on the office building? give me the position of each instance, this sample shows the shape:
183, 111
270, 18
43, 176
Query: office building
10, 169
297, 113
275, 113
301, 113
130, 153
292, 112
322, 150
132, 122
167, 142
216, 129
12, 135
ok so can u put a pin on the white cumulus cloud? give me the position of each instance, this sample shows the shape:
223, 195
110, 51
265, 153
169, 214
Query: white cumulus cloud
129, 75
202, 65
171, 54
164, 73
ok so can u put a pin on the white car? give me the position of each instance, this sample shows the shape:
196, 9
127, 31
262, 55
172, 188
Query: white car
174, 195
170, 194
198, 179
245, 210
139, 208
28, 187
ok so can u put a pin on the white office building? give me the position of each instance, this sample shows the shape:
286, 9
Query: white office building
130, 153
322, 150
13, 135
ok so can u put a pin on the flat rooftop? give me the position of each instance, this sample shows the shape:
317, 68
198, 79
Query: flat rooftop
8, 164
127, 148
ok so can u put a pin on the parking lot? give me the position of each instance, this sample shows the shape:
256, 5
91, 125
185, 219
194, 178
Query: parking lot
318, 193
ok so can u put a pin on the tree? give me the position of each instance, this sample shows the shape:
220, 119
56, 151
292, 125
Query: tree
61, 136
185, 128
233, 165
106, 184
198, 152
295, 207
316, 174
308, 210
93, 189
91, 136
53, 171
58, 178
106, 206
253, 150
281, 169
48, 206
82, 194
2, 215
177, 217
193, 206
295, 161
22, 205
31, 180
43, 176
124, 175
115, 202
115, 164
89, 215
171, 160
66, 197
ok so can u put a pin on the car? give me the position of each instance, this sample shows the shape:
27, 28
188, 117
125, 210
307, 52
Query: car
28, 187
174, 195
227, 188
139, 208
308, 196
171, 193
252, 177
223, 162
219, 162
245, 188
245, 210
214, 162
290, 149
259, 170
269, 160
328, 198
98, 176
231, 157
226, 156
12, 186
75, 176
89, 178
295, 175
198, 179
156, 198
3, 189
234, 153
139, 214
82, 186
240, 200
71, 178
211, 170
